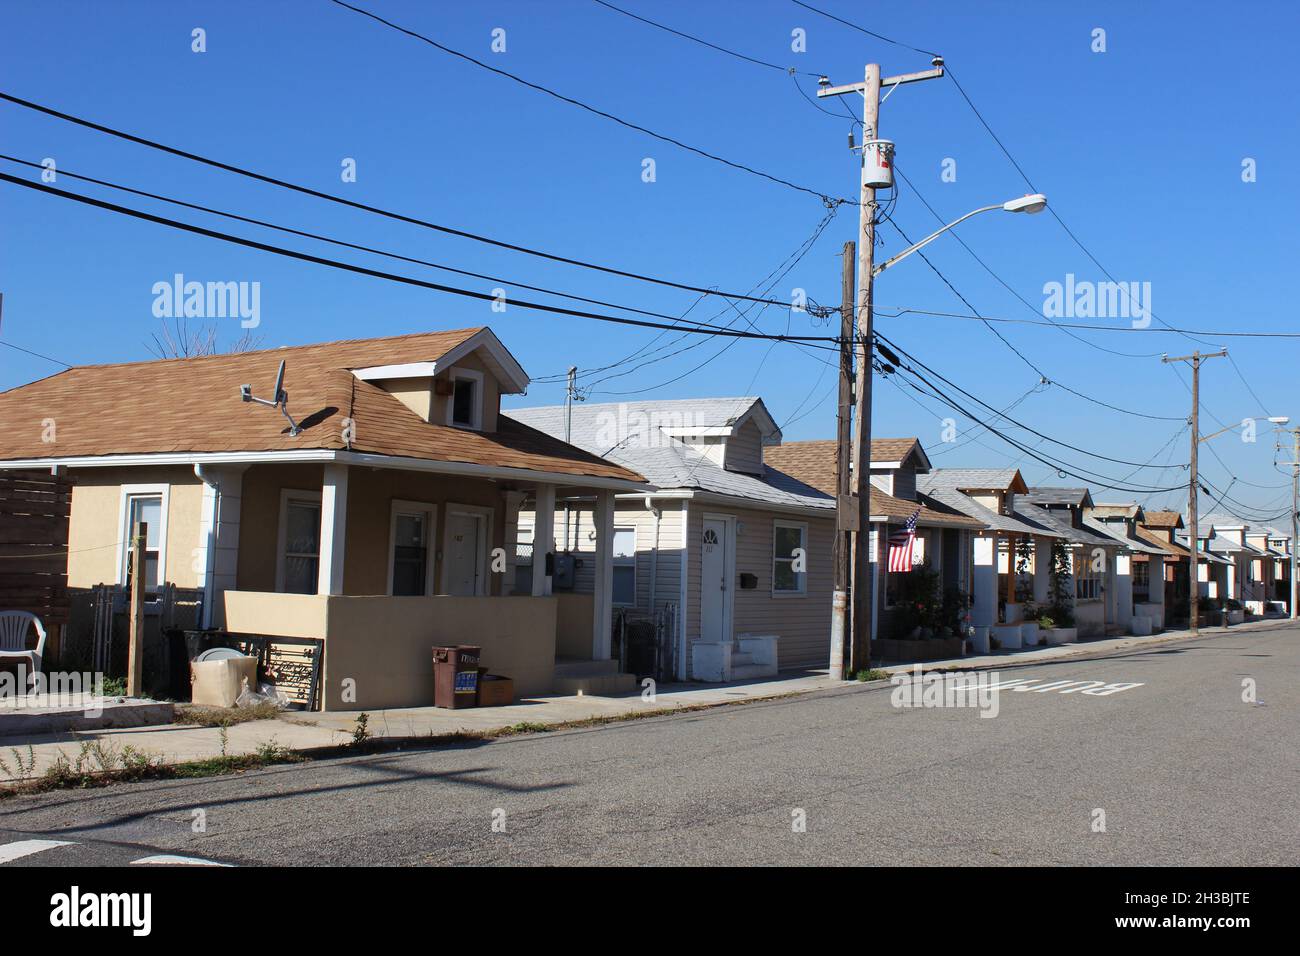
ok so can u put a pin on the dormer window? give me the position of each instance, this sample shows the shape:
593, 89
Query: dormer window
465, 404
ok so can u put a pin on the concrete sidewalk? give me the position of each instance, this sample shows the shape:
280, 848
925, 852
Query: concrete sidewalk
300, 731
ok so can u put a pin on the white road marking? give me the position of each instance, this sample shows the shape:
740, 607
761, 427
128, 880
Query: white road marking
169, 860
21, 848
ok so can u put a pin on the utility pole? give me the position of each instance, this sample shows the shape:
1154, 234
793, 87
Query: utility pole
570, 396
863, 568
1295, 509
1193, 488
135, 637
846, 509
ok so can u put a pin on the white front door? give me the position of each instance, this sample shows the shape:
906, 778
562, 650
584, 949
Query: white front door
463, 557
713, 581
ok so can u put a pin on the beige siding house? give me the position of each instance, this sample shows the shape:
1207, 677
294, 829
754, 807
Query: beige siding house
373, 507
731, 557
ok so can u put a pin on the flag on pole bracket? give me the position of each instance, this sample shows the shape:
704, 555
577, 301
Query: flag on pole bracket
901, 544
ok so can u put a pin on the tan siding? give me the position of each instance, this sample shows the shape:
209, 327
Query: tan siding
745, 450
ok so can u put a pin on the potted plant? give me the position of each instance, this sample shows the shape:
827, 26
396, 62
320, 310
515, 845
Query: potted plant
1236, 611
1029, 636
1061, 609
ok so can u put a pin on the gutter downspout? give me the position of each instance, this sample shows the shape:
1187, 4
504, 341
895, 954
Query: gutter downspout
210, 545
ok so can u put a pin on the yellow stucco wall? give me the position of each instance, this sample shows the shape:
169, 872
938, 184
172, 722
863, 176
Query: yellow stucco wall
383, 645
575, 613
97, 522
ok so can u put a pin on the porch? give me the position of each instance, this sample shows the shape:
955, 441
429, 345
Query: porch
384, 563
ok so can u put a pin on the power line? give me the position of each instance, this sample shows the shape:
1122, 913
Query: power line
589, 108
895, 311
861, 29
713, 46
19, 348
407, 280
352, 204
1091, 454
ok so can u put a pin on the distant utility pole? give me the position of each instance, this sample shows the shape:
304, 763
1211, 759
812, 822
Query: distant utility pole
570, 396
863, 594
846, 510
1295, 509
1193, 488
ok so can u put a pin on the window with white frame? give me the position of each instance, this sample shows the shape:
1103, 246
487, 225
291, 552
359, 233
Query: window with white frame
465, 403
147, 509
789, 557
299, 565
625, 567
1141, 574
411, 557
1087, 581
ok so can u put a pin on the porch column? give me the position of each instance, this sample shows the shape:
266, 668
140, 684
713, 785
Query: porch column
1124, 590
985, 591
1156, 584
543, 537
333, 529
216, 557
1042, 571
603, 596
1233, 589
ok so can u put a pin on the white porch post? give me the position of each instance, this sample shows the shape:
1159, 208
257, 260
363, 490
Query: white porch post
1124, 590
1042, 571
543, 537
1232, 591
333, 529
216, 557
603, 598
985, 610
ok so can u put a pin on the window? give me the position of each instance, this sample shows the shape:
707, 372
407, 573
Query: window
410, 560
1087, 583
465, 403
789, 557
1141, 574
146, 510
625, 567
299, 564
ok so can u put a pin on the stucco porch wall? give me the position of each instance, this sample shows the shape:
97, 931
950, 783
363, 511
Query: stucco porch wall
574, 617
383, 645
1090, 618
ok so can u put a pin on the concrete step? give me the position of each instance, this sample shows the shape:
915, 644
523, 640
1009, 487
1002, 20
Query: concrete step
595, 685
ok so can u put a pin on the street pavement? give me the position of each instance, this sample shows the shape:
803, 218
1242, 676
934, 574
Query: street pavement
1195, 764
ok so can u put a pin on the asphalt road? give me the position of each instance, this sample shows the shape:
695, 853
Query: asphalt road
1185, 771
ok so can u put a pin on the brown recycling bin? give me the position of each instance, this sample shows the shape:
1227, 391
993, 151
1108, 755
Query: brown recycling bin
455, 676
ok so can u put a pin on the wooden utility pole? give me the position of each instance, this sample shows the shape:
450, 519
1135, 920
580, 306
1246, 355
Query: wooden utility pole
1294, 590
863, 568
135, 639
1193, 488
846, 508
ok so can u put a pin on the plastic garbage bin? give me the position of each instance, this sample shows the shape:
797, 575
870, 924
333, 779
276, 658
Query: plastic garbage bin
455, 675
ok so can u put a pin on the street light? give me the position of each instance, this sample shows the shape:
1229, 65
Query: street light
1031, 204
1273, 419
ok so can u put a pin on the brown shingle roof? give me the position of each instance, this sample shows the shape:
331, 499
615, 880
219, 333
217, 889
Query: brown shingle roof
1163, 519
813, 463
193, 405
1176, 550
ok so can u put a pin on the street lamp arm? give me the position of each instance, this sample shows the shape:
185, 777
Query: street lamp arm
1275, 419
930, 238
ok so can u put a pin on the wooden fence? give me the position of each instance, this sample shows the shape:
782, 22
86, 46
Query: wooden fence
34, 509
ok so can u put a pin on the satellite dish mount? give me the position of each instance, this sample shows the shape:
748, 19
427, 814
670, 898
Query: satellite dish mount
281, 400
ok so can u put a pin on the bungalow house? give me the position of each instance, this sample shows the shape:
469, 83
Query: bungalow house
1134, 594
729, 559
1162, 528
1212, 568
1092, 555
1274, 568
1010, 542
943, 534
370, 509
1246, 582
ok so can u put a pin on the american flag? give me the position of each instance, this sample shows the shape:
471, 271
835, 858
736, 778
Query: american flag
900, 544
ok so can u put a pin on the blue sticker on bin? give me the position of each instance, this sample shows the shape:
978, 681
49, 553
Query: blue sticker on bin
466, 682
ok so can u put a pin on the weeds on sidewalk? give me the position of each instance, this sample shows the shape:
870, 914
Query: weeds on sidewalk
23, 770
225, 716
871, 673
361, 732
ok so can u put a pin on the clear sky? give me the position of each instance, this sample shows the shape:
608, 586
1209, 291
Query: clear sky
1139, 148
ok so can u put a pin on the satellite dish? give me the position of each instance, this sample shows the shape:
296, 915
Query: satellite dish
281, 400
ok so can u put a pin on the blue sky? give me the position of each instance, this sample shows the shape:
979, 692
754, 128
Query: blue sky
1139, 149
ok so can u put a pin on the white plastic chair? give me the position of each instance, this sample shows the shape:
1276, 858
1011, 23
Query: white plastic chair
14, 626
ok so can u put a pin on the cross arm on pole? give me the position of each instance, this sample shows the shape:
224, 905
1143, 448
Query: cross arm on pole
885, 81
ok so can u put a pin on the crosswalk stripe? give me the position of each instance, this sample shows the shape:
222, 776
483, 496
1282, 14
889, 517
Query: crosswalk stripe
21, 848
166, 859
